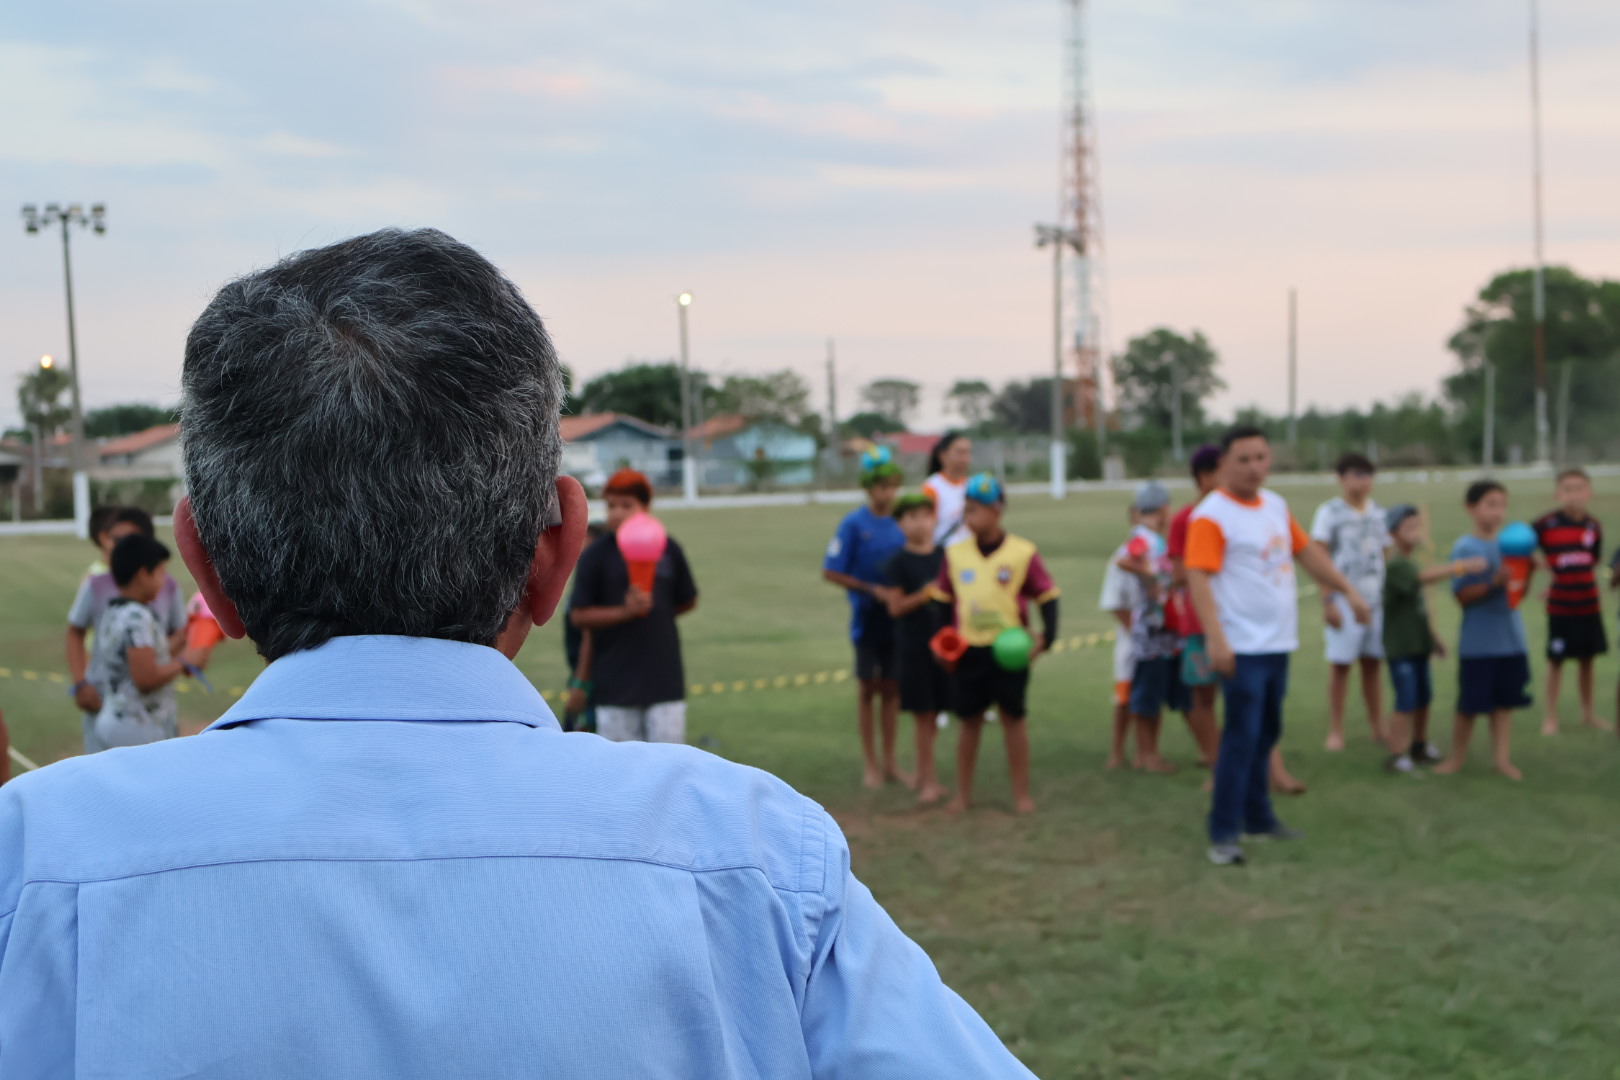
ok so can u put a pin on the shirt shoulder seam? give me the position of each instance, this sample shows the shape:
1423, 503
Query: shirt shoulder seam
76, 882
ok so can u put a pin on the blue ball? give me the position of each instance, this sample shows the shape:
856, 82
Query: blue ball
1517, 539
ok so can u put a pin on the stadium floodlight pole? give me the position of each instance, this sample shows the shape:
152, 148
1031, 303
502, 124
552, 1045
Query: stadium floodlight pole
1539, 299
689, 477
67, 216
1057, 238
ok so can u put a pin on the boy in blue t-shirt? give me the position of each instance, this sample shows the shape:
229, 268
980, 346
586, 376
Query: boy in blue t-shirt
860, 550
1493, 658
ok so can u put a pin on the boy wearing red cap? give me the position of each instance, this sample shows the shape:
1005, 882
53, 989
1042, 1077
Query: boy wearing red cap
638, 682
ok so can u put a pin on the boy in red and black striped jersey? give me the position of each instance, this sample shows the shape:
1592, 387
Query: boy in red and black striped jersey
1572, 543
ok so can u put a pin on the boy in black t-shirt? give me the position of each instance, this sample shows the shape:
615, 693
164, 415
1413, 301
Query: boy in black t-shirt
637, 681
911, 572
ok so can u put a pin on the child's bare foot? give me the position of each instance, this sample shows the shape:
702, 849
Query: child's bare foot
893, 775
872, 777
1285, 784
956, 805
1509, 770
1335, 741
1024, 804
1549, 725
931, 793
1158, 764
1114, 762
1448, 766
1591, 721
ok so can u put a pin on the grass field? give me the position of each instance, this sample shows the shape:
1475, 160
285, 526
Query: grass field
1448, 926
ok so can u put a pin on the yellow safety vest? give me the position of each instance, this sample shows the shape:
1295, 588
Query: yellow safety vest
987, 586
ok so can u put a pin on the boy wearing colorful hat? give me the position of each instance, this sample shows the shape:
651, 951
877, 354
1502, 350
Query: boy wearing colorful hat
989, 580
866, 540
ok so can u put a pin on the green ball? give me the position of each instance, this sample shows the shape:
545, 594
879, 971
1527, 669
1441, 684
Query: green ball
1012, 648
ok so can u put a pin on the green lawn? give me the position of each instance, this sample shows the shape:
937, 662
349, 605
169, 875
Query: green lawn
1434, 927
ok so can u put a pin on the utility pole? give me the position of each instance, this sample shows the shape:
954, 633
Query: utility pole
1539, 301
831, 459
689, 477
1490, 416
1293, 367
73, 214
1175, 406
1563, 411
1058, 239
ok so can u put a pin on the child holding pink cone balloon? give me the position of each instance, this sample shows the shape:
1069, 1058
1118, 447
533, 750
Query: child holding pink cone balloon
629, 588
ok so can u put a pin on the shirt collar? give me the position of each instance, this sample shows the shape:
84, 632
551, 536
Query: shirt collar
392, 678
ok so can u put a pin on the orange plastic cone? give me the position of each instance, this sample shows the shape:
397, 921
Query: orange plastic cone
643, 573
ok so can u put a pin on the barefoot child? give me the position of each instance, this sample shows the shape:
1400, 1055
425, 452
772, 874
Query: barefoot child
911, 573
1353, 530
1155, 645
1493, 673
1410, 638
1120, 592
1572, 541
866, 539
990, 579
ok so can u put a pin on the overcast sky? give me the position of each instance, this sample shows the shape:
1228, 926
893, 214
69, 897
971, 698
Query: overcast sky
862, 169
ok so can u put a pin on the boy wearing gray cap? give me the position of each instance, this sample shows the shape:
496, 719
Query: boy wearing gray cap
1155, 640
1410, 637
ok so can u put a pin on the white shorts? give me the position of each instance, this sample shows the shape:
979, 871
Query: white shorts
664, 722
1352, 641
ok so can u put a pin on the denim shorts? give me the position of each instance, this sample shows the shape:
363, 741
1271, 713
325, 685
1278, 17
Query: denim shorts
1156, 686
1410, 677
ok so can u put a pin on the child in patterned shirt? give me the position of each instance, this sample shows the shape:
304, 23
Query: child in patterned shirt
135, 674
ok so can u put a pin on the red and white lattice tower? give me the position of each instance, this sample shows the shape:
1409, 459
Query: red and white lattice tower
1080, 212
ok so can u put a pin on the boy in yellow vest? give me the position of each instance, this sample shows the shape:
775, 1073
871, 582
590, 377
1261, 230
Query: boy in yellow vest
989, 580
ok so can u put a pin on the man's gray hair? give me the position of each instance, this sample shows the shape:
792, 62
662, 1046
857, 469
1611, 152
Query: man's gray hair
370, 441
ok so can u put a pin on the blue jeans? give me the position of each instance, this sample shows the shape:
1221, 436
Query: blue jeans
1254, 698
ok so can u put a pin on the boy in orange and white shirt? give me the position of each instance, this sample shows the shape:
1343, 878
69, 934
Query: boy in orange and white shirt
1241, 547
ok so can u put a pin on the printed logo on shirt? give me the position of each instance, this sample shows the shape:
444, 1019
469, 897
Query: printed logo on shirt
834, 548
1004, 575
967, 577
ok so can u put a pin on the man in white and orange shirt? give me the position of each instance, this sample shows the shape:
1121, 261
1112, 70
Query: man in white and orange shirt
1241, 548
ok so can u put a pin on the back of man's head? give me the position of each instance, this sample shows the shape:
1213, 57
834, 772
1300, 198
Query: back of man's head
370, 441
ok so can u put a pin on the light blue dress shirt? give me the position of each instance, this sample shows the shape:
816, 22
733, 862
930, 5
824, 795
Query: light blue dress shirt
387, 861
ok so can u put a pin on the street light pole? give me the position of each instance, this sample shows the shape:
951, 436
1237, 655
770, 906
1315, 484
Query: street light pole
689, 477
73, 214
1057, 238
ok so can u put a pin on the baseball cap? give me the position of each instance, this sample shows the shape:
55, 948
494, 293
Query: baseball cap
1151, 496
985, 489
1395, 516
877, 465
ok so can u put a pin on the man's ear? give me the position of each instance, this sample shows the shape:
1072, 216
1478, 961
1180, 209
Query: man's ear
195, 556
556, 552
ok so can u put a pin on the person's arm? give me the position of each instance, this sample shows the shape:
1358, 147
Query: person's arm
1471, 594
1206, 554
149, 675
1123, 616
686, 593
1319, 564
579, 681
1322, 533
1041, 590
1049, 626
1456, 568
636, 604
874, 1004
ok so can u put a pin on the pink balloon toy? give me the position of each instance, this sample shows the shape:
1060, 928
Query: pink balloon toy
641, 541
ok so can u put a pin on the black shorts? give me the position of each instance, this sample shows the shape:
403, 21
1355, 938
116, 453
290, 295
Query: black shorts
924, 686
980, 682
874, 658
1576, 637
1488, 683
